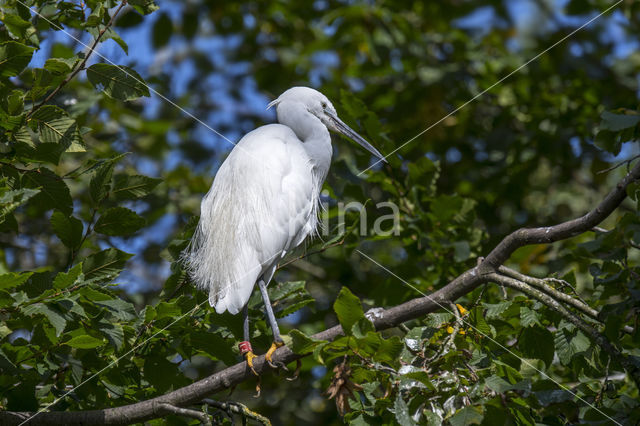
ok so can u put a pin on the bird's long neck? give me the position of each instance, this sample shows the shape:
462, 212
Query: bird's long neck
314, 135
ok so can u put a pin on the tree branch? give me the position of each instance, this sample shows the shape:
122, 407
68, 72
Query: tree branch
551, 234
384, 318
541, 284
164, 408
81, 66
594, 334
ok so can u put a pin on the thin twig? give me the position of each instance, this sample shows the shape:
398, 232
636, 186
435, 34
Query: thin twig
302, 256
586, 328
615, 166
237, 408
165, 408
82, 64
541, 284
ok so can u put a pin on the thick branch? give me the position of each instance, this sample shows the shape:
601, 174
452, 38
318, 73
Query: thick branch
541, 284
234, 375
551, 234
384, 318
594, 334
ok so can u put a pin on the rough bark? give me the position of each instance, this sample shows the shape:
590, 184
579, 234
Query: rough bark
382, 319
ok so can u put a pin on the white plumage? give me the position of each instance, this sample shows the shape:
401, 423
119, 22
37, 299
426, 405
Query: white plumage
264, 199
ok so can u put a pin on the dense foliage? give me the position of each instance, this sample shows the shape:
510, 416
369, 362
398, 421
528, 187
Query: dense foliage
105, 155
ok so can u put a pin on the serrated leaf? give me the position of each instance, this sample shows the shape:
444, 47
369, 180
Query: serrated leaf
496, 310
114, 333
119, 308
348, 309
54, 193
401, 411
470, 415
55, 126
118, 82
60, 66
14, 279
14, 57
119, 221
11, 200
84, 342
66, 279
528, 317
301, 343
55, 318
130, 187
100, 183
67, 228
537, 342
105, 265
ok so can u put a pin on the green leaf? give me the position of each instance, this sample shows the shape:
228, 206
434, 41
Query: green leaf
119, 221
162, 31
130, 187
11, 200
214, 345
55, 318
105, 265
54, 193
144, 7
96, 16
100, 184
617, 122
470, 415
55, 126
496, 310
401, 410
14, 57
528, 317
118, 82
67, 228
537, 342
66, 279
14, 279
348, 309
301, 343
60, 66
119, 308
84, 341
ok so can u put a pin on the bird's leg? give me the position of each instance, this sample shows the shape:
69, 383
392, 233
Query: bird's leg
277, 340
245, 347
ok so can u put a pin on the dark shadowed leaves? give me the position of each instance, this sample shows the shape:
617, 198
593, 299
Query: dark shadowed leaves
119, 221
13, 58
118, 82
348, 308
105, 265
537, 342
67, 228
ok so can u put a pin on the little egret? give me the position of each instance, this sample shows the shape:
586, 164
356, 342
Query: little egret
264, 202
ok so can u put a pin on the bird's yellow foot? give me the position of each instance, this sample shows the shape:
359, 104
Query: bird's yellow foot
249, 356
274, 346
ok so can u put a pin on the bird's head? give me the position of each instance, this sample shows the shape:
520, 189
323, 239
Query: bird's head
321, 107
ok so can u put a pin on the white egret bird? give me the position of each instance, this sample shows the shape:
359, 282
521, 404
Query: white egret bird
263, 203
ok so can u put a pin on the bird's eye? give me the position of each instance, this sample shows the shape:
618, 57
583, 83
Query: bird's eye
324, 105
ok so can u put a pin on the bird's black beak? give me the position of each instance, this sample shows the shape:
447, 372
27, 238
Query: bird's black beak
341, 127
